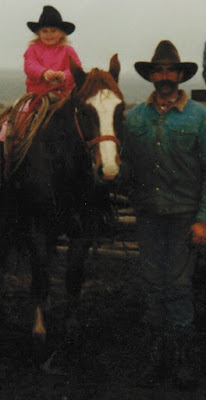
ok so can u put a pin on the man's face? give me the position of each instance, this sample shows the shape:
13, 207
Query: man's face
166, 78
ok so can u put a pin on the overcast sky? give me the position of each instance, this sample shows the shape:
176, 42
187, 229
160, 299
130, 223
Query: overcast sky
131, 28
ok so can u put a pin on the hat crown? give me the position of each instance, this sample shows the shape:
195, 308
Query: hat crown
166, 52
50, 17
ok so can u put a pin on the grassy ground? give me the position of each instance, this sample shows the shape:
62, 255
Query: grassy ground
103, 359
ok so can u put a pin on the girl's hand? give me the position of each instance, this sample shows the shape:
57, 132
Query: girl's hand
49, 75
60, 76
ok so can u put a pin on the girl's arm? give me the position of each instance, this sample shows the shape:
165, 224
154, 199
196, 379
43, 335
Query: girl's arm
32, 67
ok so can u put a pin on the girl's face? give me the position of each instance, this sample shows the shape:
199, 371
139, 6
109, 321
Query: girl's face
50, 36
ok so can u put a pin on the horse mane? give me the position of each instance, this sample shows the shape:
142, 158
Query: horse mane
97, 80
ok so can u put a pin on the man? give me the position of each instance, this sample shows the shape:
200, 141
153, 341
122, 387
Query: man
165, 148
204, 63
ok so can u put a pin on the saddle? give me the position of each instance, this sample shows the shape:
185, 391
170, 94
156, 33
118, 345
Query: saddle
22, 126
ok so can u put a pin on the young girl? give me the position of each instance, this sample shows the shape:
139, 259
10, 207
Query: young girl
46, 61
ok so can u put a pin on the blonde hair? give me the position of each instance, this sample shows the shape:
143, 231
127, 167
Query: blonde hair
63, 40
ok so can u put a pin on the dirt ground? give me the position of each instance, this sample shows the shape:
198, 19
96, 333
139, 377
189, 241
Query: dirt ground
104, 358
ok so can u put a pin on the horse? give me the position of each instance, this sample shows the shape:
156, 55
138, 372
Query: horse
61, 185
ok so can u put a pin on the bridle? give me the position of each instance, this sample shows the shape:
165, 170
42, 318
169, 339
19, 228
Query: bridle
96, 140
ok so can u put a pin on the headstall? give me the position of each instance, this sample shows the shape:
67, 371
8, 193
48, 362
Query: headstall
96, 140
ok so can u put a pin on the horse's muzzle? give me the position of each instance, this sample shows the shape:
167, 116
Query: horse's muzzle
102, 177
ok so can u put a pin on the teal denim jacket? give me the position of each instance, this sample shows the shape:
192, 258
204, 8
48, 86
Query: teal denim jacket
167, 156
204, 63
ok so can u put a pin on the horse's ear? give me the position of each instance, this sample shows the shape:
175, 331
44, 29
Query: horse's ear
77, 72
114, 67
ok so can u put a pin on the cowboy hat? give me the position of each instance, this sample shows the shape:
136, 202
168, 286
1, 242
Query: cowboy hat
166, 53
50, 17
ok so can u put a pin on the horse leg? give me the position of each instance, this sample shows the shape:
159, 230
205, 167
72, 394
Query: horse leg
77, 254
39, 292
3, 261
7, 228
40, 260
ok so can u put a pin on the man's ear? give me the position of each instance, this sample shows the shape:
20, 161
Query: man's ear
151, 77
180, 76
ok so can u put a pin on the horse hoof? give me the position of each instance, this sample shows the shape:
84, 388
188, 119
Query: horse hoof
39, 348
39, 338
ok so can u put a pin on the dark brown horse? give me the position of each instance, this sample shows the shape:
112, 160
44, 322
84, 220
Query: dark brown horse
61, 185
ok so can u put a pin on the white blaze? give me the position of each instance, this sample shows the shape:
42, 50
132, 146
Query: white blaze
105, 102
39, 327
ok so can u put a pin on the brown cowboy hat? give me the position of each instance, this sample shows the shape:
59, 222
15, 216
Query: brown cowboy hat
50, 17
166, 53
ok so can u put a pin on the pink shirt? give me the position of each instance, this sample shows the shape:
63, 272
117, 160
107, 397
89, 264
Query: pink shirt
40, 57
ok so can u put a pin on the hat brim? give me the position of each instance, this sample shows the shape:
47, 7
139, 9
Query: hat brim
66, 27
145, 68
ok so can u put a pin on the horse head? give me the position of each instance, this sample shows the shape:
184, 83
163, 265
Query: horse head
99, 107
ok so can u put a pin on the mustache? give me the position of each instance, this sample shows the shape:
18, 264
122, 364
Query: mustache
166, 82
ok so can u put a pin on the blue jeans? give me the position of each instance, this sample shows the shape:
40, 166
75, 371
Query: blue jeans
166, 269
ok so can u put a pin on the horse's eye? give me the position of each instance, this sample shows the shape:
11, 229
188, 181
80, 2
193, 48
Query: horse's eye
89, 115
84, 114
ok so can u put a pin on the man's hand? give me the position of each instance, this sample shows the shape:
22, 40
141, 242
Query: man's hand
198, 231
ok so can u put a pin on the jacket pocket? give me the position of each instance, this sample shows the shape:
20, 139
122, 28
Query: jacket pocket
183, 138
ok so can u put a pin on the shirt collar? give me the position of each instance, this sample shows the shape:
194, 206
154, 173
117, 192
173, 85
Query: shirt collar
180, 103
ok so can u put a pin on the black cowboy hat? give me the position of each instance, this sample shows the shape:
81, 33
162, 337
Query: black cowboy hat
50, 17
166, 53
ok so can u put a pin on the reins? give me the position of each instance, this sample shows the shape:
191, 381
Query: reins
16, 142
39, 98
96, 140
99, 139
